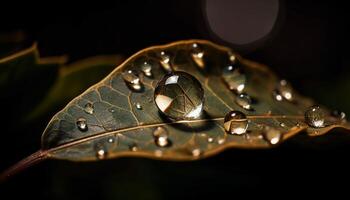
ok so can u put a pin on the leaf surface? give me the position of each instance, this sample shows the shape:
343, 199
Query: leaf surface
124, 121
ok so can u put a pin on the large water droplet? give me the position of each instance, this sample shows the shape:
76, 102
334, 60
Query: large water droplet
161, 137
147, 69
197, 55
132, 80
236, 123
179, 96
234, 77
89, 108
244, 101
272, 136
82, 125
285, 90
101, 154
315, 117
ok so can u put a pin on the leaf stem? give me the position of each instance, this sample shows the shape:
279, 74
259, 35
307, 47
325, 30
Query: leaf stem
23, 164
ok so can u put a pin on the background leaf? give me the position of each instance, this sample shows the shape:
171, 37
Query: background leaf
24, 80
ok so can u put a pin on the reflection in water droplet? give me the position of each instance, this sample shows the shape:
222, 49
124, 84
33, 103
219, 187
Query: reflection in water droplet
277, 96
81, 124
138, 106
101, 154
132, 80
112, 110
196, 152
179, 96
197, 55
272, 136
89, 108
233, 77
315, 117
147, 69
339, 115
235, 122
282, 124
244, 101
210, 139
161, 137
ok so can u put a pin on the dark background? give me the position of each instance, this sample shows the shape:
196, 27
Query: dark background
309, 48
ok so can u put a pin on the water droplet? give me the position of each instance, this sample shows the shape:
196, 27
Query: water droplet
277, 96
339, 115
82, 125
232, 57
221, 141
147, 69
165, 61
210, 139
234, 77
235, 122
244, 101
179, 96
197, 55
158, 153
101, 154
138, 106
89, 108
272, 136
132, 80
111, 140
285, 90
315, 117
112, 110
161, 137
196, 152
282, 125
133, 147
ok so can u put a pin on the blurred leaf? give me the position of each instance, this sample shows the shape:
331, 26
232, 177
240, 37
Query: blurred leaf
11, 42
25, 79
74, 79
118, 116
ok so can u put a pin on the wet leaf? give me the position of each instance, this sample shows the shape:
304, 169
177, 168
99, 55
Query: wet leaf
245, 105
72, 80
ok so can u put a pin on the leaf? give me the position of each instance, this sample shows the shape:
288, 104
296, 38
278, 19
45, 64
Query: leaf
72, 80
124, 120
24, 79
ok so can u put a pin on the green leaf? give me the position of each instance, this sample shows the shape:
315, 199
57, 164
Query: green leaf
24, 80
119, 117
72, 80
